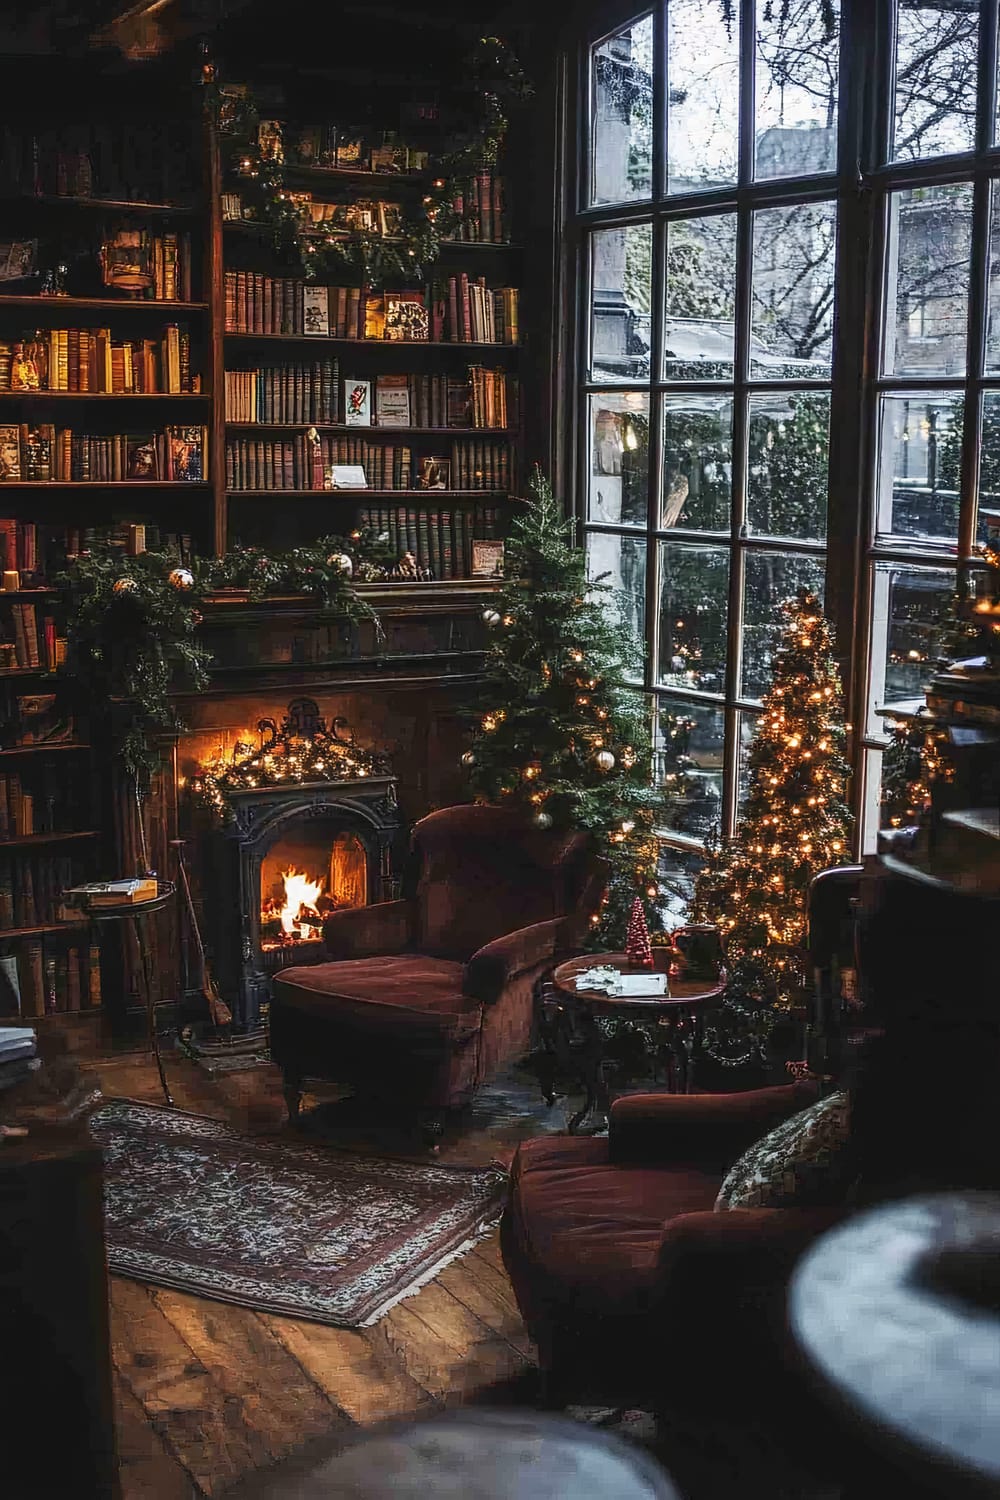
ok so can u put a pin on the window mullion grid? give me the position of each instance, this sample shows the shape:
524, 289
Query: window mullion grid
658, 273
973, 426
986, 97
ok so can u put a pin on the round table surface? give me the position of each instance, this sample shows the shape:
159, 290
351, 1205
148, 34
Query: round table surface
470, 1454
899, 1342
683, 992
165, 890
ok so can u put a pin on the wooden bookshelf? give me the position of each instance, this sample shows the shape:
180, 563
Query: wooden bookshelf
345, 430
38, 840
37, 303
372, 494
40, 929
396, 346
12, 202
56, 747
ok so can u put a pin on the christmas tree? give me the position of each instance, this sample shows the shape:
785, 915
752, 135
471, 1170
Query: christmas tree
796, 823
638, 948
562, 734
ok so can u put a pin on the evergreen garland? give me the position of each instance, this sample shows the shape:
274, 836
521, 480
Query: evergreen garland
562, 734
497, 83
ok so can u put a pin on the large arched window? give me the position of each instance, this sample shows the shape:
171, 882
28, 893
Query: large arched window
786, 368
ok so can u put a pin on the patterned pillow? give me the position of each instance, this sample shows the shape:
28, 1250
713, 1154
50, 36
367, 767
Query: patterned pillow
802, 1163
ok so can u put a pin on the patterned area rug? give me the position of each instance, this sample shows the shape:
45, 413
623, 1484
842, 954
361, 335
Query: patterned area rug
278, 1227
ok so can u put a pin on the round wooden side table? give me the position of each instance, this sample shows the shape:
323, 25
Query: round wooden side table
897, 1313
469, 1454
137, 912
587, 1028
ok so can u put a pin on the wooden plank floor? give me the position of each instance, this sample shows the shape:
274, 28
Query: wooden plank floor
208, 1392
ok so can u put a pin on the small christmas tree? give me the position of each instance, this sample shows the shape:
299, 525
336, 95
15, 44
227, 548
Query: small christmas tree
562, 734
796, 823
637, 945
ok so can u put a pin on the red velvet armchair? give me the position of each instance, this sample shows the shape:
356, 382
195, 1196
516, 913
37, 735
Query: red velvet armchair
426, 997
627, 1280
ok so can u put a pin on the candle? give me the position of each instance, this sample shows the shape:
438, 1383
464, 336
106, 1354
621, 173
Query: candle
11, 580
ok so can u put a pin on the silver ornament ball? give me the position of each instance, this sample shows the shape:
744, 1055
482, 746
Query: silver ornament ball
605, 760
542, 820
469, 758
343, 562
491, 617
181, 579
125, 586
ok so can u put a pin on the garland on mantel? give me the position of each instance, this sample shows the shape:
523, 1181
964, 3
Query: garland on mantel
498, 83
131, 622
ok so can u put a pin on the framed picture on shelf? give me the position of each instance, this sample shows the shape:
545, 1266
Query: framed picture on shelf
18, 259
10, 453
142, 458
351, 153
316, 310
406, 318
487, 558
348, 477
358, 403
434, 474
392, 401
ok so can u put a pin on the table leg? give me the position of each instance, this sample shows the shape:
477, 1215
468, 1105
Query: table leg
138, 928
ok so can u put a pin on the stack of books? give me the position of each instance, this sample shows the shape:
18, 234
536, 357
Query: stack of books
18, 1054
98, 894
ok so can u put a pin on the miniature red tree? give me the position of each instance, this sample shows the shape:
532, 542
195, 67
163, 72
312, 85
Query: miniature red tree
637, 945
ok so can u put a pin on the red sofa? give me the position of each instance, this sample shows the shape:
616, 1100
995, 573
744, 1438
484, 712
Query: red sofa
426, 997
626, 1278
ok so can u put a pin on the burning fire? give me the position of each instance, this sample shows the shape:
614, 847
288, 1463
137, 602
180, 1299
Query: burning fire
300, 917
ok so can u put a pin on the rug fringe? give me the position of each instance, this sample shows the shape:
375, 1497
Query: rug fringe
480, 1233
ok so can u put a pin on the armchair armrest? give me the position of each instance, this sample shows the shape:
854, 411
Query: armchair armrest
495, 964
363, 931
712, 1129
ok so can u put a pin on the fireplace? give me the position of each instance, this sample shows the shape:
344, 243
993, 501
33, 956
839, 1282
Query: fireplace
308, 825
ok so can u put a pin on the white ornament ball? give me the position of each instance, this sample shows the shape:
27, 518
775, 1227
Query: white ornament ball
491, 617
125, 586
343, 562
181, 579
542, 820
469, 758
605, 760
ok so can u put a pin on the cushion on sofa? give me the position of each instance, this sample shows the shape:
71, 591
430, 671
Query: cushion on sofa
399, 992
589, 1229
803, 1162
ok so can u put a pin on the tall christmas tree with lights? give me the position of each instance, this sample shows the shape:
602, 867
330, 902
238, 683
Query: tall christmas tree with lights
561, 733
796, 823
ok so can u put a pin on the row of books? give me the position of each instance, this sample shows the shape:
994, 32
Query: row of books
304, 463
89, 359
19, 549
38, 552
43, 454
51, 977
31, 889
457, 310
44, 802
151, 162
329, 145
441, 541
300, 392
28, 640
481, 206
310, 393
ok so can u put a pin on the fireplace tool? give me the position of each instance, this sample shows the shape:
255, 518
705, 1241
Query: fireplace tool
218, 1010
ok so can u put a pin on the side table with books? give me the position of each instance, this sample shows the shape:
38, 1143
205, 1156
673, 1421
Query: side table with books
131, 900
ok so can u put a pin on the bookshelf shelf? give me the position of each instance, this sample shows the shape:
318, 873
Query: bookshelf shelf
25, 596
41, 929
12, 201
371, 494
35, 672
320, 342
60, 747
363, 176
105, 396
39, 840
100, 304
380, 432
106, 484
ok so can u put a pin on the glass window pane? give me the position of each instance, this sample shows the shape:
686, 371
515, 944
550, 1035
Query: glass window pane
699, 330
911, 607
993, 290
622, 561
794, 251
697, 462
797, 70
935, 78
748, 729
688, 764
989, 463
770, 579
919, 465
694, 592
677, 871
619, 458
703, 92
621, 103
621, 271
927, 287
788, 451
